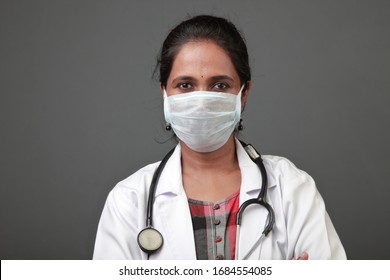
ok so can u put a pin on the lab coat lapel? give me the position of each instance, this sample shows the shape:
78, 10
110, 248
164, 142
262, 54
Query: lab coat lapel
176, 227
254, 216
252, 225
172, 215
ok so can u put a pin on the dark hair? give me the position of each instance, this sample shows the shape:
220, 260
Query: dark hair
205, 27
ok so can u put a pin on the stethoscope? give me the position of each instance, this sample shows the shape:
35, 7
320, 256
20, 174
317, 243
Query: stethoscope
150, 240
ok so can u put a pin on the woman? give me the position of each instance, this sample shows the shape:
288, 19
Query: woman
205, 79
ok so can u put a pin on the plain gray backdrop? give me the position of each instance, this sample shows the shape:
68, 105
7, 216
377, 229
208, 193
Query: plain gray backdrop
80, 111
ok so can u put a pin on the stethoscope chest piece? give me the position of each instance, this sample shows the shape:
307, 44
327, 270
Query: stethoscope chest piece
150, 240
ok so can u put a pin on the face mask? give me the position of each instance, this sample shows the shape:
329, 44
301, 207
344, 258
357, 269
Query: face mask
203, 120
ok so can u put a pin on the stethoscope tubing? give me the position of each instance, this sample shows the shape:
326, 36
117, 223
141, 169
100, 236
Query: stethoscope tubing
153, 187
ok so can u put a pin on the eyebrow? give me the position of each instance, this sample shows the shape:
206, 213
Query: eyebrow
214, 78
222, 77
182, 78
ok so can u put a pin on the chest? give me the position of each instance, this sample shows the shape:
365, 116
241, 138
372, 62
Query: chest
211, 186
173, 220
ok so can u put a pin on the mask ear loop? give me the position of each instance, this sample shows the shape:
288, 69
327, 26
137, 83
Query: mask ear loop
168, 126
240, 122
239, 107
244, 87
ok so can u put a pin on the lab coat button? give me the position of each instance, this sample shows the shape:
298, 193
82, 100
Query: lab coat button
216, 206
218, 239
217, 222
219, 257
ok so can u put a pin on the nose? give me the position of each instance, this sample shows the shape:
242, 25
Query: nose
202, 86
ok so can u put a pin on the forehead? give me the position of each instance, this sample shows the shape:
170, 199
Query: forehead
202, 58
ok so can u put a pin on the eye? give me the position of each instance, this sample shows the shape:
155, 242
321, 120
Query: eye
184, 86
220, 86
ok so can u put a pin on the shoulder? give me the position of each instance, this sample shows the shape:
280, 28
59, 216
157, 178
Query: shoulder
139, 177
295, 188
281, 166
135, 185
288, 178
138, 184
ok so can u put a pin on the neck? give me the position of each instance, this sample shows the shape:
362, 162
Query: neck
222, 159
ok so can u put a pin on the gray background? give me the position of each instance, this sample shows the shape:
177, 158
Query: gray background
79, 110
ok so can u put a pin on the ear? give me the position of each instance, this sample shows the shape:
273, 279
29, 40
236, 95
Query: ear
245, 92
162, 89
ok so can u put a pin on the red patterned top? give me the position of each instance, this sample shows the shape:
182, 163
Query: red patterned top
214, 227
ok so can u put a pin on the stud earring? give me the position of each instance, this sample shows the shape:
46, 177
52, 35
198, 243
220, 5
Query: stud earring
240, 125
168, 127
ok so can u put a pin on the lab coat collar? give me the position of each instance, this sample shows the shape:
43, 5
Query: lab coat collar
250, 173
171, 177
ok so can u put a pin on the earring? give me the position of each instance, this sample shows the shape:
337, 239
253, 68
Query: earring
168, 127
240, 125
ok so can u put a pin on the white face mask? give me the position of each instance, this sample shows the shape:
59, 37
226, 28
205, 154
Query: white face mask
203, 120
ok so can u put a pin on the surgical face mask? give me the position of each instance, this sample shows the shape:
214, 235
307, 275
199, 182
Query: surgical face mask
203, 120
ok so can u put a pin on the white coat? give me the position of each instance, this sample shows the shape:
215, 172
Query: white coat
301, 221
